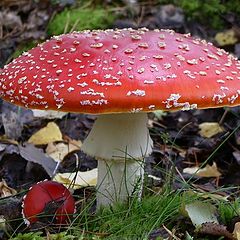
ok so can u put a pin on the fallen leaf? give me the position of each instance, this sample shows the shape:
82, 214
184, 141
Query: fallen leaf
207, 171
226, 38
50, 133
236, 231
201, 212
49, 114
5, 190
215, 229
209, 129
77, 180
58, 151
32, 154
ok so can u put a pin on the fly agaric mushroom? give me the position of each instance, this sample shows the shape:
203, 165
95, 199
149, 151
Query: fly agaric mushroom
48, 199
121, 75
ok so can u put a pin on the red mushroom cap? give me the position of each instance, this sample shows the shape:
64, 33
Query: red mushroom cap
44, 197
122, 71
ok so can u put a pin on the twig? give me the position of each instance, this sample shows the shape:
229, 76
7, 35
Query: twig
223, 116
171, 233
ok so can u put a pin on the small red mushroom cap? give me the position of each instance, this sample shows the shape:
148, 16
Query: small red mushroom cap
122, 71
48, 199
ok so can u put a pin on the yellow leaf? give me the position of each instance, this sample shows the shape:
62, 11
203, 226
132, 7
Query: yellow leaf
59, 150
78, 180
226, 38
209, 129
236, 231
50, 133
208, 171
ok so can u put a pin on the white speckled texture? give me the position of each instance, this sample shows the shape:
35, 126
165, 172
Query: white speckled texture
121, 71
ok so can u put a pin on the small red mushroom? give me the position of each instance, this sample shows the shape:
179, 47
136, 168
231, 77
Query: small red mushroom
48, 199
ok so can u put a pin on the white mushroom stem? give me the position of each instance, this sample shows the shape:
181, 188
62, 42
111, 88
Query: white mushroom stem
119, 142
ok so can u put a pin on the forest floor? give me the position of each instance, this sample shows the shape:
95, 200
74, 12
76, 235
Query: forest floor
184, 141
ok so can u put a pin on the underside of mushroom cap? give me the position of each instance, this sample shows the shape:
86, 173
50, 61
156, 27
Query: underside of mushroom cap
125, 70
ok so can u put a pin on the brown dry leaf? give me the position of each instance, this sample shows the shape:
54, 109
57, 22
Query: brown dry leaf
5, 190
207, 171
78, 180
58, 151
236, 231
209, 129
48, 134
215, 229
226, 38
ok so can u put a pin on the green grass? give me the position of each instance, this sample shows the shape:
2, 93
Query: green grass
138, 219
135, 220
228, 210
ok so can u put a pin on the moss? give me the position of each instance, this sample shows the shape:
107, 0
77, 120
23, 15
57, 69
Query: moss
29, 236
207, 12
80, 19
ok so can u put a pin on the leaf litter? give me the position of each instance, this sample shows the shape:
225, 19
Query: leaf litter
38, 146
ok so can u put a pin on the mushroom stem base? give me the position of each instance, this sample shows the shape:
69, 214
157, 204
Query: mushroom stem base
118, 180
120, 142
